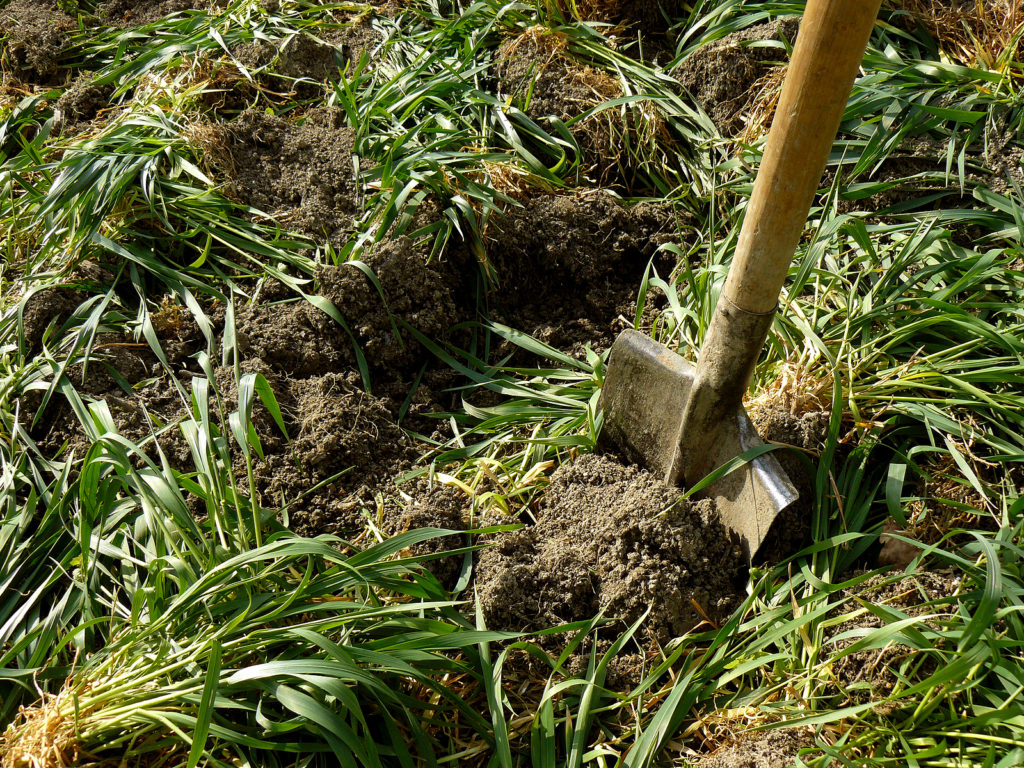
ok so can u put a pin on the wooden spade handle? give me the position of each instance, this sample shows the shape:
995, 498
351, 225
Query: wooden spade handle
828, 52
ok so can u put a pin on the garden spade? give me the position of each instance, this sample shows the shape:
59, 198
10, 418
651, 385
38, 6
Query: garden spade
685, 421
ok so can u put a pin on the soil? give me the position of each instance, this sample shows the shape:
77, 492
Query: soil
535, 72
436, 506
301, 172
721, 74
569, 265
37, 33
871, 675
80, 104
49, 305
429, 295
759, 749
336, 427
612, 538
133, 13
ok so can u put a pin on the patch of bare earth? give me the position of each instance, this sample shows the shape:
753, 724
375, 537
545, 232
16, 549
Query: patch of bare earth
569, 266
758, 749
612, 538
301, 172
137, 13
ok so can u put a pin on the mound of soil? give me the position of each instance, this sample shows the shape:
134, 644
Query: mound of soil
612, 538
49, 305
79, 105
534, 71
759, 749
300, 172
721, 75
336, 427
294, 337
569, 265
37, 33
430, 296
136, 13
436, 506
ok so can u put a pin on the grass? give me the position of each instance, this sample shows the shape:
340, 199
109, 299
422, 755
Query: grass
156, 610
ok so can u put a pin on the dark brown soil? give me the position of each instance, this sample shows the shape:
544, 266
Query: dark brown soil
301, 171
336, 428
791, 530
133, 13
429, 295
49, 305
871, 675
80, 104
295, 338
37, 33
569, 265
721, 74
760, 749
435, 506
612, 538
536, 73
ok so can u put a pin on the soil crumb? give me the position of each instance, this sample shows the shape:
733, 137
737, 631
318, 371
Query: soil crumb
722, 74
37, 33
302, 172
760, 749
568, 266
612, 538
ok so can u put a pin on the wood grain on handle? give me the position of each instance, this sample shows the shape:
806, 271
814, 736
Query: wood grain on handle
826, 57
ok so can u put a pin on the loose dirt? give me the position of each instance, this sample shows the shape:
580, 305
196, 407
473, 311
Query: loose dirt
80, 104
722, 74
336, 427
136, 13
300, 171
537, 74
612, 538
428, 295
37, 33
436, 506
759, 749
569, 265
791, 530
